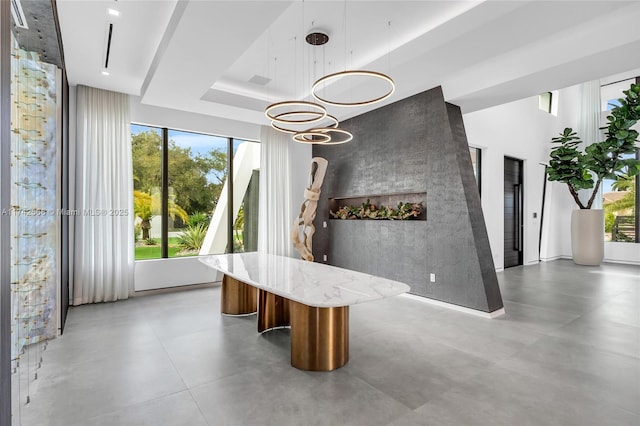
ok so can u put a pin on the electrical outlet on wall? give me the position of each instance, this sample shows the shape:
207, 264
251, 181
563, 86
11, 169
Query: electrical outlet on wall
324, 223
432, 277
324, 257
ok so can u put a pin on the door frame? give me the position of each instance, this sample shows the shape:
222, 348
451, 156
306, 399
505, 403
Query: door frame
519, 215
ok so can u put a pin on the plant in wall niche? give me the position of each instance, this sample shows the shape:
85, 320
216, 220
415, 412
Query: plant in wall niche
601, 160
368, 210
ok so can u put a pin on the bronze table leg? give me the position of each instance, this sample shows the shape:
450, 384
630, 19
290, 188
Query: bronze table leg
319, 337
273, 311
238, 298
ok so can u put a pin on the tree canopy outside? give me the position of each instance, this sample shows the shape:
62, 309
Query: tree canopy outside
188, 172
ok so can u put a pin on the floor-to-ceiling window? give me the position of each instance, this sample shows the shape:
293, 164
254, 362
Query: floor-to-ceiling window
620, 198
197, 171
186, 176
146, 146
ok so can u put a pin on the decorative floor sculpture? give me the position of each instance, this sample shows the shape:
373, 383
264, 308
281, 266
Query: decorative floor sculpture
303, 229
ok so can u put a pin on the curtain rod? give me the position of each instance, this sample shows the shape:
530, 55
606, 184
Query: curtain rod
619, 81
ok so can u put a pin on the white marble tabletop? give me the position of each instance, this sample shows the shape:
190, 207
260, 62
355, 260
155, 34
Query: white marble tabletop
313, 284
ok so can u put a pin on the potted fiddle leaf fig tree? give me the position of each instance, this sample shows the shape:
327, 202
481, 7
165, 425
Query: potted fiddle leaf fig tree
586, 169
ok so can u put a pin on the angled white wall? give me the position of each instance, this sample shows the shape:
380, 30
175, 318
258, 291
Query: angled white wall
519, 130
245, 161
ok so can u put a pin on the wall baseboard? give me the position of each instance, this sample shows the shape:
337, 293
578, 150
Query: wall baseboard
622, 262
551, 259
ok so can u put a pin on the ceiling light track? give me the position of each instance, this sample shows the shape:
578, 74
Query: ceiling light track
108, 50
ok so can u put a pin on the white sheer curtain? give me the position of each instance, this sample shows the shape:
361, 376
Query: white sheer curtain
275, 212
103, 228
589, 125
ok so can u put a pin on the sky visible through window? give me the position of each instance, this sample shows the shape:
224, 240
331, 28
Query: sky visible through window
200, 144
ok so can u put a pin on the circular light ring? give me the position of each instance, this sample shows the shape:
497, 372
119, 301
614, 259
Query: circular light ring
285, 130
302, 136
330, 77
320, 111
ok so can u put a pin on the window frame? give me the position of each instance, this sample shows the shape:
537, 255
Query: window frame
164, 192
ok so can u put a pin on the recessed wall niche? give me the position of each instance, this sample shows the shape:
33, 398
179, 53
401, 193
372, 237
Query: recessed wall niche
379, 200
414, 146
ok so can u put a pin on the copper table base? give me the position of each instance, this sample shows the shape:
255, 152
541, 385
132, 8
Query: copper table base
319, 336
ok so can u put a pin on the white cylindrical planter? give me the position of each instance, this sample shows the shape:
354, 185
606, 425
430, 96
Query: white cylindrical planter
587, 236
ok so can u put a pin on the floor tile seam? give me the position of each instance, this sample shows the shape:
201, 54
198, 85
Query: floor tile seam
175, 336
538, 307
173, 365
476, 357
217, 379
576, 390
162, 339
473, 354
195, 401
579, 311
371, 385
571, 294
588, 345
124, 407
603, 349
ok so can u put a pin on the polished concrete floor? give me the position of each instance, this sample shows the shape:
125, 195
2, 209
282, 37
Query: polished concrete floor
567, 352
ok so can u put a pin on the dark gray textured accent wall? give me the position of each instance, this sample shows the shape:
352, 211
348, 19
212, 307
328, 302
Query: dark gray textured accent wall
414, 145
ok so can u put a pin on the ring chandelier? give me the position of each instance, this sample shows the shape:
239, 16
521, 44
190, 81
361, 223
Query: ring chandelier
283, 118
352, 73
309, 136
283, 129
310, 112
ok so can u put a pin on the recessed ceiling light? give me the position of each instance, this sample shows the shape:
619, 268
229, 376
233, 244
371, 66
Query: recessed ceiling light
113, 12
104, 72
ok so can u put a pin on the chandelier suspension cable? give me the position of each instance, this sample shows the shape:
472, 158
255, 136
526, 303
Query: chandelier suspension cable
344, 28
270, 91
389, 47
295, 67
304, 61
319, 87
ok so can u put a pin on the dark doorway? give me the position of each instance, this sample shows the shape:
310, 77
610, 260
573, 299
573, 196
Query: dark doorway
513, 224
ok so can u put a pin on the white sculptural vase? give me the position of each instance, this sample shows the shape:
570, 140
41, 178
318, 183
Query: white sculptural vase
587, 236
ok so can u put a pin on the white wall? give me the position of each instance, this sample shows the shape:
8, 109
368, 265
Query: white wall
164, 273
556, 236
187, 121
519, 130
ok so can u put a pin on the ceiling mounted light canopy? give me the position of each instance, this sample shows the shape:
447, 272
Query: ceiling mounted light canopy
320, 84
317, 38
